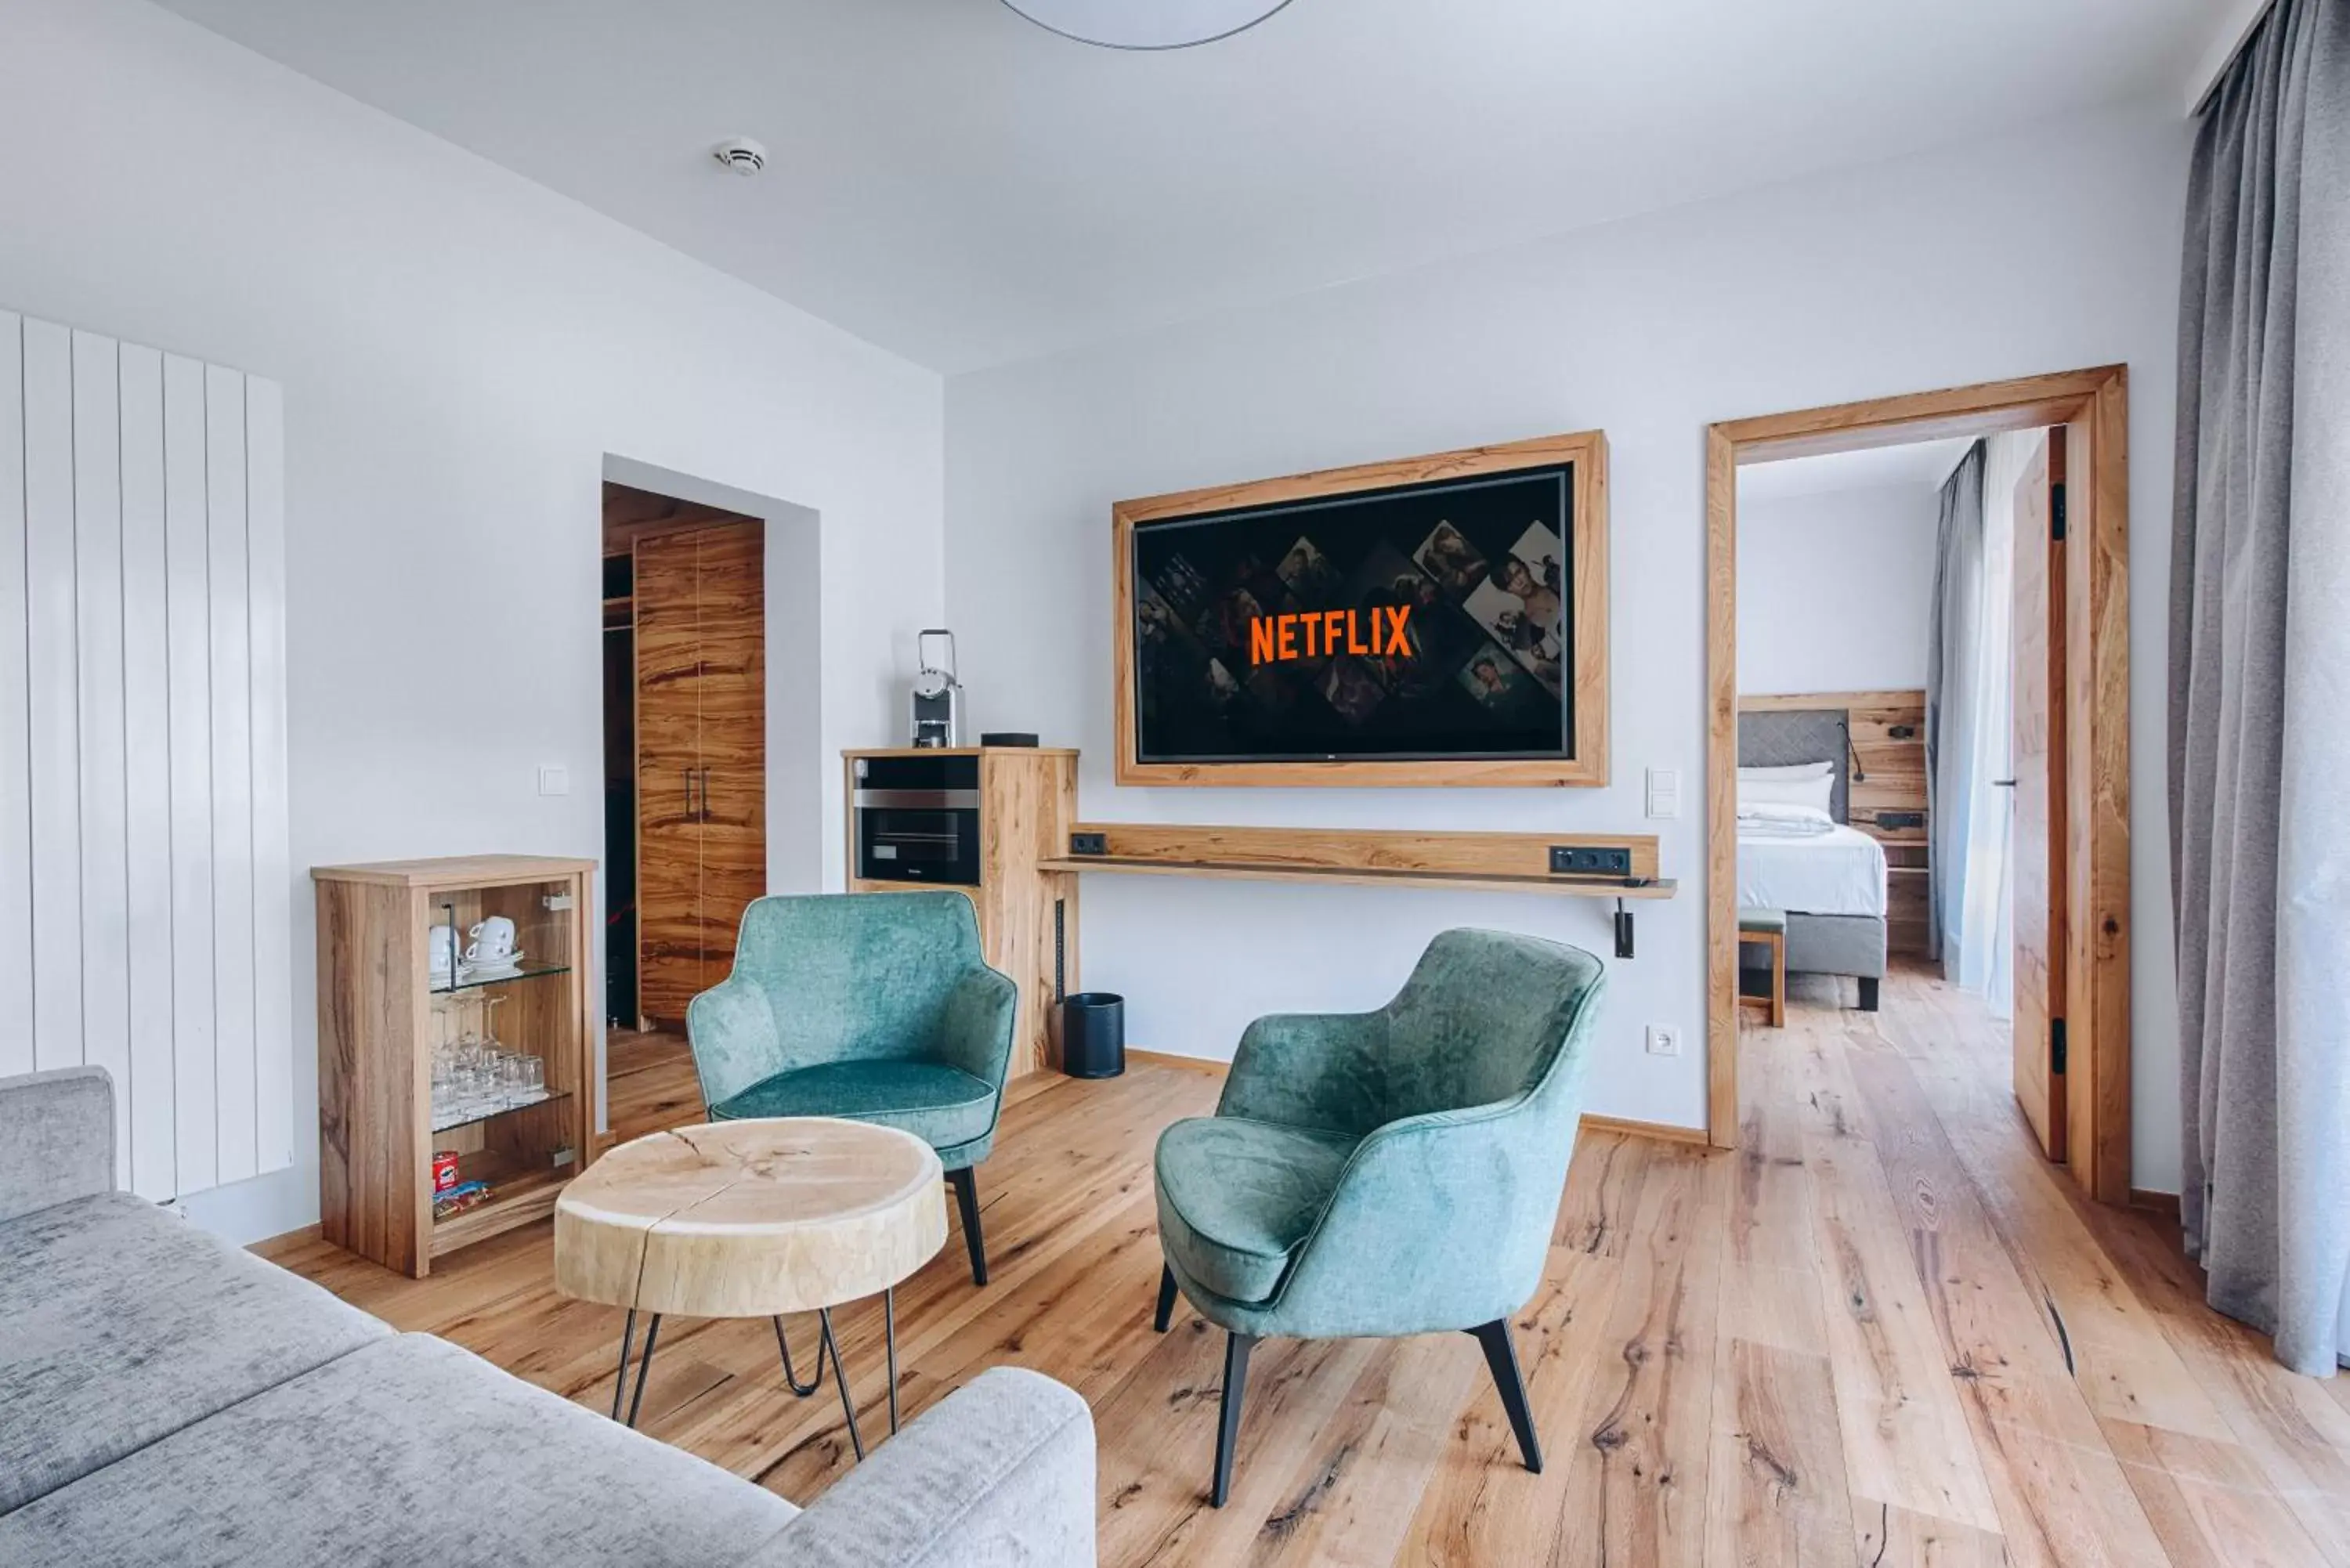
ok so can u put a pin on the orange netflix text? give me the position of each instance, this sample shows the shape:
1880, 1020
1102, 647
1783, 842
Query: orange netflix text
1319, 634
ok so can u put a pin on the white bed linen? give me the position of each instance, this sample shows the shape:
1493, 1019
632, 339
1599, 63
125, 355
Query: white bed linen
1841, 872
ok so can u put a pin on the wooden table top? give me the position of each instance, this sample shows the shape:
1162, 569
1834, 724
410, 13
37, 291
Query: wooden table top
751, 1219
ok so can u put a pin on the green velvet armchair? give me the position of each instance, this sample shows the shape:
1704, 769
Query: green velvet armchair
1387, 1173
873, 1006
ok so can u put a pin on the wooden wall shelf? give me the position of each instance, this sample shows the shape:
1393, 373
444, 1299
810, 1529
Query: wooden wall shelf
1570, 886
1487, 862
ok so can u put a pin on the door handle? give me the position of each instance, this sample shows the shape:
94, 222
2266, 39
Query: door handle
2003, 783
689, 794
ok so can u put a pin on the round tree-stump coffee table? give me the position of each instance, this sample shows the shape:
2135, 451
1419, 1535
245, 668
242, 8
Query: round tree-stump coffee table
752, 1218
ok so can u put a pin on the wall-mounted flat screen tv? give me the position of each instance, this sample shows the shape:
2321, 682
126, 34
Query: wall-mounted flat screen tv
1432, 621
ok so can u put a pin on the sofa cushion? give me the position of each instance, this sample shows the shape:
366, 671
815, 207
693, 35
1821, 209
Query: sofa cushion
409, 1453
1236, 1198
56, 1139
999, 1474
120, 1324
941, 1105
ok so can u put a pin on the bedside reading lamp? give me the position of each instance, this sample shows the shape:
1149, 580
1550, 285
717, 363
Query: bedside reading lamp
1852, 751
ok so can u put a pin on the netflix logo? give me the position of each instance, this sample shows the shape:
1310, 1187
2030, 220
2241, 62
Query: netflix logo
1320, 634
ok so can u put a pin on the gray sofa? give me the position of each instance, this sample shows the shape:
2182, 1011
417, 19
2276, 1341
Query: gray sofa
166, 1398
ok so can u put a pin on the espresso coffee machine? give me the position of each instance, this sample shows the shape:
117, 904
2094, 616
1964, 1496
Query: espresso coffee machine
935, 705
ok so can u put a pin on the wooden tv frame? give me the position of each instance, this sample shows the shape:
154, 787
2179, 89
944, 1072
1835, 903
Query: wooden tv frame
1587, 550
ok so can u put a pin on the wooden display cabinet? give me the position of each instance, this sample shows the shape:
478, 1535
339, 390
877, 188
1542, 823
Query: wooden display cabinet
382, 1013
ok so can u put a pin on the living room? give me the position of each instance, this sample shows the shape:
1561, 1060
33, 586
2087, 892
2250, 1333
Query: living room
977, 324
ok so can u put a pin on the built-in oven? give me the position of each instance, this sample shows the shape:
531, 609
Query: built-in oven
918, 819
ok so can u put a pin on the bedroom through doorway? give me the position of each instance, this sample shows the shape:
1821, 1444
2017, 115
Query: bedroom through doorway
1836, 578
1913, 751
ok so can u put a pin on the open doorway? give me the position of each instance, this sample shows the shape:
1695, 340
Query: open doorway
1836, 580
684, 745
1917, 759
715, 776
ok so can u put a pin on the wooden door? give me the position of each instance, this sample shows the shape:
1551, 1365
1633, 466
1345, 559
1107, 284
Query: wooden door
668, 761
2036, 760
732, 636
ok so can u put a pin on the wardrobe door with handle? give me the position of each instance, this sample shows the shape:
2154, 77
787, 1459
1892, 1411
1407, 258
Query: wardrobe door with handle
732, 678
668, 776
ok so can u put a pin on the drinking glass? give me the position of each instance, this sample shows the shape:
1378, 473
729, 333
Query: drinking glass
506, 1070
466, 1087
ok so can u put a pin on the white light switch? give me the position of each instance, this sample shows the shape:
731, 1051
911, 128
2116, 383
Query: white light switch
1664, 792
554, 780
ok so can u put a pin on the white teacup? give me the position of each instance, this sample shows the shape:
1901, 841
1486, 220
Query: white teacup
494, 941
444, 948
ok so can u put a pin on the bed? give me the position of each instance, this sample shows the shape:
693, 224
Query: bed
1832, 886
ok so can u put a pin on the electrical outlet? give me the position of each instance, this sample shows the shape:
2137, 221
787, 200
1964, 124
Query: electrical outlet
1664, 792
1587, 860
554, 780
1664, 1040
1089, 844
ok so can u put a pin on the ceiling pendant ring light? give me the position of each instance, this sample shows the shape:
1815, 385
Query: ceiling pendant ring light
1145, 24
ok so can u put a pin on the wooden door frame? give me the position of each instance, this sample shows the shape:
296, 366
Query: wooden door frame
2093, 405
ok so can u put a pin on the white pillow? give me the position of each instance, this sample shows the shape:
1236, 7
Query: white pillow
1818, 794
1791, 770
1783, 821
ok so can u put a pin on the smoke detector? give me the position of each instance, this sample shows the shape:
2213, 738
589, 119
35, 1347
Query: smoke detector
740, 155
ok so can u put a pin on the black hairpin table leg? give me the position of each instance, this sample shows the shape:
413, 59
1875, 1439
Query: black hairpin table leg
791, 1378
889, 1337
827, 1345
840, 1375
644, 1368
621, 1381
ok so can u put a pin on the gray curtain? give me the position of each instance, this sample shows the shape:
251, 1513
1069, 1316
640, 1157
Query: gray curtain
1953, 665
2260, 688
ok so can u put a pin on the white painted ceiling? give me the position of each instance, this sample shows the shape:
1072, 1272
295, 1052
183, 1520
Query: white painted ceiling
957, 184
1922, 465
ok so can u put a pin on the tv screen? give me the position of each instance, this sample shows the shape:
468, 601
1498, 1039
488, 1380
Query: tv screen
1423, 621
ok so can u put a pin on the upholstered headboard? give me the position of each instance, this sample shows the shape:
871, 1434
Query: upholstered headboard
1780, 737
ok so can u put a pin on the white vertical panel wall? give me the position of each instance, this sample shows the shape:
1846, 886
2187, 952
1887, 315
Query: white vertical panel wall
16, 719
145, 891
188, 631
53, 764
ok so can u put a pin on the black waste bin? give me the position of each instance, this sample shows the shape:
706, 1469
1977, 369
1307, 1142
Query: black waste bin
1093, 1034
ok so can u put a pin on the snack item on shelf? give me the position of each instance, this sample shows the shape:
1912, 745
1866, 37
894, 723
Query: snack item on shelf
444, 1171
459, 1198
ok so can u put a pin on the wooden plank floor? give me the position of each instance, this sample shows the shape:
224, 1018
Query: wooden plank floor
1884, 1332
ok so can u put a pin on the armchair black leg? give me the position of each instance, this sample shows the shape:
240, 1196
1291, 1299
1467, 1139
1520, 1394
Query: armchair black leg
1867, 995
1236, 1359
1166, 1298
966, 1186
1502, 1359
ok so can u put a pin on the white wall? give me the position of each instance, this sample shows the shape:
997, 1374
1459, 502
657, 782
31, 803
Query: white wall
1834, 589
460, 350
2051, 250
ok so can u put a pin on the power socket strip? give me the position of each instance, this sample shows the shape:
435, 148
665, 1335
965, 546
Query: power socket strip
1589, 860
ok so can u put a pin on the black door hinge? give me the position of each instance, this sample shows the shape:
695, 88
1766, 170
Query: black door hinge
2056, 1046
2057, 510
